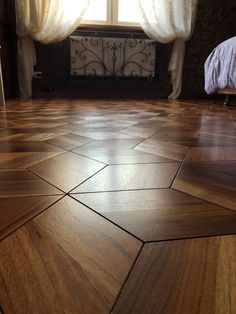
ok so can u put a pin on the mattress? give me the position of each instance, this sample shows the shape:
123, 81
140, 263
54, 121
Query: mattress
220, 67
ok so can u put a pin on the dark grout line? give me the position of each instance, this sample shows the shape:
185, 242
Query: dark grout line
65, 149
86, 179
92, 140
223, 234
46, 180
203, 200
154, 241
177, 172
181, 165
90, 158
32, 218
107, 219
127, 278
45, 142
31, 196
146, 163
152, 154
143, 140
168, 161
127, 190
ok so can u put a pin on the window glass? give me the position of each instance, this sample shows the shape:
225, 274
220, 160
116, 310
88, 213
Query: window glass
128, 11
97, 11
112, 12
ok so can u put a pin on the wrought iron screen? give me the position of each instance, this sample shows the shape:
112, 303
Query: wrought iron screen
113, 58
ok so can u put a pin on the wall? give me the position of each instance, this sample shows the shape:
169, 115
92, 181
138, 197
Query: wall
216, 22
53, 62
8, 44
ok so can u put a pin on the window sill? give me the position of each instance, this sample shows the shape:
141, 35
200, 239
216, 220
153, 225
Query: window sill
102, 27
110, 30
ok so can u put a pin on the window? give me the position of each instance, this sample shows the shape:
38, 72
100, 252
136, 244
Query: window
113, 12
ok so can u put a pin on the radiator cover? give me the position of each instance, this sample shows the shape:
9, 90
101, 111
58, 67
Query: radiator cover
112, 57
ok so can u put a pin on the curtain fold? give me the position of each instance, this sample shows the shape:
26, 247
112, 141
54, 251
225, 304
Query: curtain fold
47, 21
170, 20
2, 96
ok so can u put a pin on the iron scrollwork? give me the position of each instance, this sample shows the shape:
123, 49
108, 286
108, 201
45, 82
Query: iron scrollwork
112, 57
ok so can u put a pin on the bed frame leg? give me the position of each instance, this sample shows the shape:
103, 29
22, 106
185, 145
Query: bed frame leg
227, 100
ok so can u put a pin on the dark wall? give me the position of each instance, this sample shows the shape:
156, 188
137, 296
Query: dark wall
216, 22
8, 44
53, 62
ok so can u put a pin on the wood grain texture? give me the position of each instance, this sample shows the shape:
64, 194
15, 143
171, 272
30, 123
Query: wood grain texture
74, 261
10, 147
139, 132
100, 135
167, 150
23, 160
213, 182
26, 136
204, 154
154, 215
111, 144
121, 156
130, 177
95, 125
215, 139
222, 127
14, 212
67, 170
15, 183
177, 135
32, 125
69, 141
188, 276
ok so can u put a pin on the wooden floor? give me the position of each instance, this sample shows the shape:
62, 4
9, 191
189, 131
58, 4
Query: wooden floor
117, 207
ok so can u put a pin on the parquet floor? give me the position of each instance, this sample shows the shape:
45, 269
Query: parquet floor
115, 206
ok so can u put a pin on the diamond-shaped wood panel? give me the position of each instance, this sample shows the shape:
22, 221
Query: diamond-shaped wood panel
19, 183
14, 212
153, 215
130, 177
67, 170
121, 156
213, 182
190, 276
167, 150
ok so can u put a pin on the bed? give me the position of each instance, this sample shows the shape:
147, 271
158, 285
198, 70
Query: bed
220, 70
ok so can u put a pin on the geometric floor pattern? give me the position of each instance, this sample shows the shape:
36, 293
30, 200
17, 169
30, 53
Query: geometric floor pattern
117, 206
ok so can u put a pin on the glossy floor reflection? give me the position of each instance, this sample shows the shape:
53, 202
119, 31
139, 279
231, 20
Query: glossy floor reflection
111, 206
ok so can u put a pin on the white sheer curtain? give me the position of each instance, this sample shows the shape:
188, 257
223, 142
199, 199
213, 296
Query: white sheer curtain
166, 21
47, 21
2, 97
